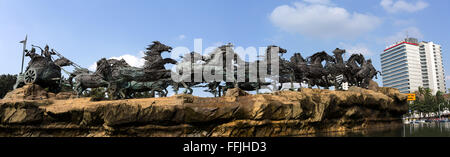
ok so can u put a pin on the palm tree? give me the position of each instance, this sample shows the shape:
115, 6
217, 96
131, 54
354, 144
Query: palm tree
426, 101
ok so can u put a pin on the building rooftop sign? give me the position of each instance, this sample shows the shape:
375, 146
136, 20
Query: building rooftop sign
401, 44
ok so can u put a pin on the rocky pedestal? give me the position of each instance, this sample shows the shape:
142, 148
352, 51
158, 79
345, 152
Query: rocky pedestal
238, 114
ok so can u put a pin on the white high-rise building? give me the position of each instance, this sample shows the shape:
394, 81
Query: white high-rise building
400, 65
408, 65
432, 66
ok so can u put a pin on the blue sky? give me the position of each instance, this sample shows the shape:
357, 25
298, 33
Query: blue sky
85, 31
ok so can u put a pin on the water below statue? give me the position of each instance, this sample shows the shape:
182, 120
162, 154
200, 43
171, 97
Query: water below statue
429, 129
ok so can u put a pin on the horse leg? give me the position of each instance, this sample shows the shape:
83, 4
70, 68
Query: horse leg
82, 89
122, 94
191, 90
118, 91
275, 86
257, 88
327, 86
310, 84
186, 87
79, 92
214, 92
130, 95
160, 93
152, 93
78, 89
70, 80
165, 92
292, 83
114, 91
366, 83
175, 88
336, 84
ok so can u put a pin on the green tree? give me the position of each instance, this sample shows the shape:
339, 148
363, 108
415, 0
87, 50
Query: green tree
426, 101
6, 84
96, 94
65, 85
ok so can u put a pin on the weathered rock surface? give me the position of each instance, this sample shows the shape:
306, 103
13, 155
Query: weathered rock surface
36, 92
28, 92
235, 92
286, 113
373, 85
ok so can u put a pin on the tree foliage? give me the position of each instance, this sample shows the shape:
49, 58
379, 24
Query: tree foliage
96, 94
6, 84
427, 102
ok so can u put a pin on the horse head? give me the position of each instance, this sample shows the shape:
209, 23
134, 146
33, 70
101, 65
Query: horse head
225, 47
319, 57
103, 67
118, 63
361, 59
78, 71
338, 55
62, 62
355, 58
368, 62
297, 58
338, 52
157, 48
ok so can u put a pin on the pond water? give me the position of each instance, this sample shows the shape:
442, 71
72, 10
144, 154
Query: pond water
429, 129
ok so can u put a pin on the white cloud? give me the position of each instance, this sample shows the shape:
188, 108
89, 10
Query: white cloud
447, 78
213, 47
141, 53
218, 44
410, 32
181, 37
396, 6
326, 2
403, 22
356, 49
135, 61
93, 67
132, 60
274, 39
322, 20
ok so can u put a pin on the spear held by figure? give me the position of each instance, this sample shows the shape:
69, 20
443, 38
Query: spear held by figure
24, 42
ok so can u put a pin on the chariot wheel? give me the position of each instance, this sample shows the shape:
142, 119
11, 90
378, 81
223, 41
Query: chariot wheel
30, 76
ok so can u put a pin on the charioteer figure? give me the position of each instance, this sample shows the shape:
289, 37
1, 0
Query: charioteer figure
48, 53
31, 53
41, 70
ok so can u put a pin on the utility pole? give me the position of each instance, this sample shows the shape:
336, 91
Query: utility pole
407, 35
24, 42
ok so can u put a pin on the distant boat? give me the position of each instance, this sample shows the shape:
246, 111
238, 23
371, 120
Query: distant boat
406, 121
415, 121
